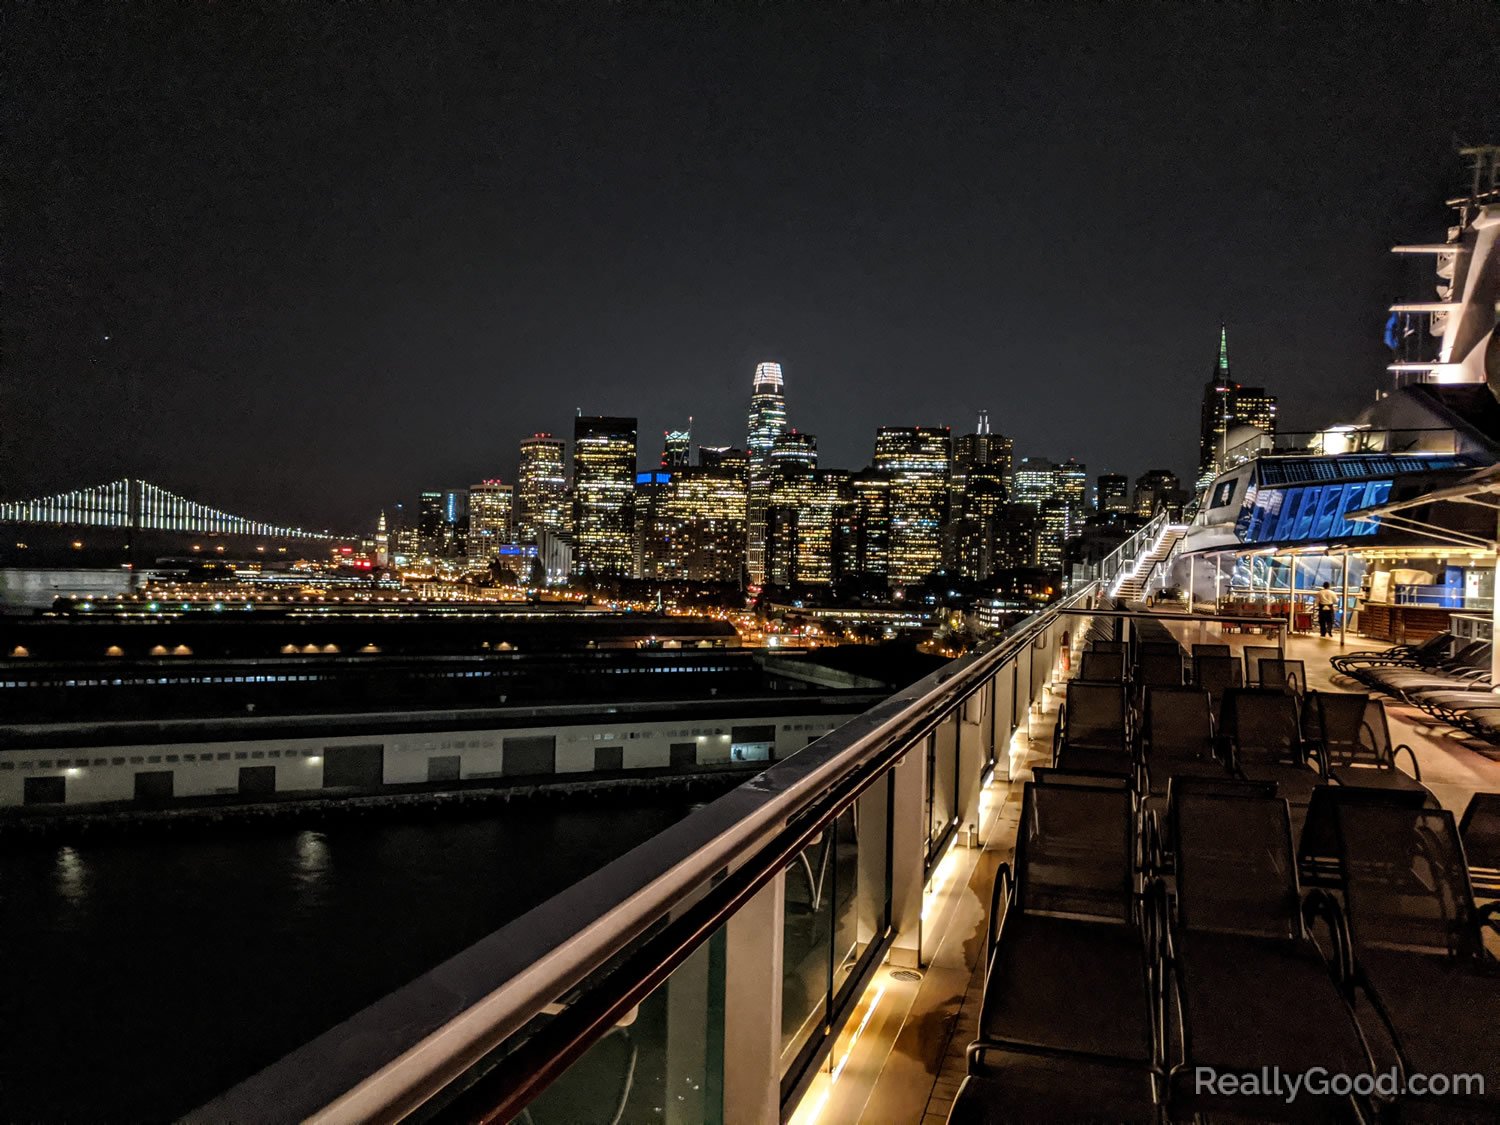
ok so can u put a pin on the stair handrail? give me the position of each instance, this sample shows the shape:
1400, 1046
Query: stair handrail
1128, 551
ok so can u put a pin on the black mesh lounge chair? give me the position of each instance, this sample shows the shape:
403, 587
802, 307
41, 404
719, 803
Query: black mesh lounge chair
1211, 650
1480, 830
1461, 709
1072, 993
1093, 732
1468, 671
1102, 667
1419, 952
1354, 742
1412, 656
1159, 847
1178, 737
1253, 655
1288, 675
1253, 989
1318, 858
1216, 675
1158, 668
1264, 740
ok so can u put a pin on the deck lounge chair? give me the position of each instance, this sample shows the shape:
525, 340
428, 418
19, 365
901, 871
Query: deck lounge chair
1318, 858
1264, 741
1419, 953
1102, 667
1423, 655
1253, 655
1288, 675
1354, 742
1072, 1004
1479, 828
1093, 733
1253, 989
1178, 737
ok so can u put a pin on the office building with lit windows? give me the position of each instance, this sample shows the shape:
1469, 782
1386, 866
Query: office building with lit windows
983, 447
700, 526
919, 459
767, 422
604, 474
1156, 489
1113, 492
541, 488
491, 511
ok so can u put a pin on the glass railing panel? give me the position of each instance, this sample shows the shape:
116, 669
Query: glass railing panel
872, 828
663, 1062
942, 785
807, 945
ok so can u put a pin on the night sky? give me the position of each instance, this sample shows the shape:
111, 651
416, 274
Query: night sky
301, 260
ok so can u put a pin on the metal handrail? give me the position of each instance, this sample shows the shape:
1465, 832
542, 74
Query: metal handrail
1129, 551
389, 1059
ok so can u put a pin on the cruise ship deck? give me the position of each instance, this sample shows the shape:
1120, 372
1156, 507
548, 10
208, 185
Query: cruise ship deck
813, 946
909, 1062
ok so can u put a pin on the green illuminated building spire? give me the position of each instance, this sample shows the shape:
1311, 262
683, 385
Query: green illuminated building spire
1223, 370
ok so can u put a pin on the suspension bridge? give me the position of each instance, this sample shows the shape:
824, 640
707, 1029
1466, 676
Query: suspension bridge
138, 505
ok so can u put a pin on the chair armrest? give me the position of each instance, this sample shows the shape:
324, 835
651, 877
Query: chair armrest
1057, 732
1318, 903
1317, 749
1004, 882
1416, 770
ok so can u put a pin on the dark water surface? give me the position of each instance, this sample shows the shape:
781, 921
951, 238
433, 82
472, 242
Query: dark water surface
139, 977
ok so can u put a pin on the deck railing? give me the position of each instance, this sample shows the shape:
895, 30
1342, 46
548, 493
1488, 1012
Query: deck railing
704, 975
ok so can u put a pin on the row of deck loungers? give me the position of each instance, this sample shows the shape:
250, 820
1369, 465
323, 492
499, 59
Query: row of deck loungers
1158, 917
1452, 685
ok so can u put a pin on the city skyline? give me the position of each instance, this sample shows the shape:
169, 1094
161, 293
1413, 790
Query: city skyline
300, 315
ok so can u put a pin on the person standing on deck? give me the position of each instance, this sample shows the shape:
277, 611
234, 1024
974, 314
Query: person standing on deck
1327, 599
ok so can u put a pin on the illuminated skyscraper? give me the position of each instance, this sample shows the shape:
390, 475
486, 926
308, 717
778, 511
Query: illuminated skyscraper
1157, 489
700, 529
677, 447
430, 523
870, 525
1114, 492
975, 553
455, 522
919, 461
982, 447
1058, 494
725, 457
795, 450
491, 507
604, 471
541, 488
1227, 404
767, 422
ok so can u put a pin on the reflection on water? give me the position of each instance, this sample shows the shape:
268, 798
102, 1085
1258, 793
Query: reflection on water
165, 970
69, 876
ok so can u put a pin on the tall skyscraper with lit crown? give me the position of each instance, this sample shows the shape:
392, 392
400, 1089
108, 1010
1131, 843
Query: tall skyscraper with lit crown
767, 423
1227, 404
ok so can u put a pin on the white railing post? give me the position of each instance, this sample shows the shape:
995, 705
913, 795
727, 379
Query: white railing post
752, 1007
972, 752
908, 855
